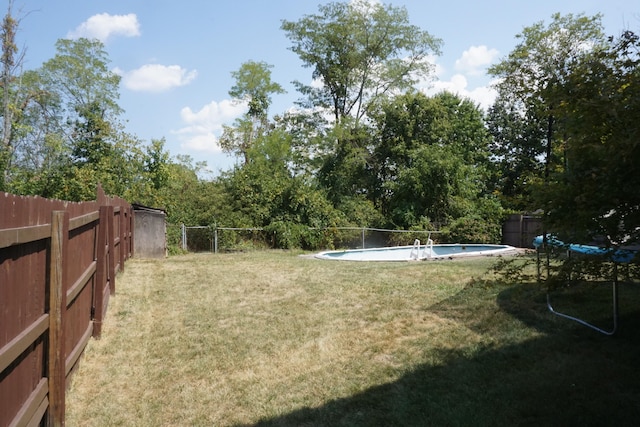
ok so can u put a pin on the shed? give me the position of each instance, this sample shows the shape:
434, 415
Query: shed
150, 232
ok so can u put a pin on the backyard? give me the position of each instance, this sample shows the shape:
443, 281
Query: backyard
273, 338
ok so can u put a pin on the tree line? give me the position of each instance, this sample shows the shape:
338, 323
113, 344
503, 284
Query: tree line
364, 147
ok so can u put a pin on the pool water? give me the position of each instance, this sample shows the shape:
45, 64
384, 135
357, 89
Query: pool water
412, 253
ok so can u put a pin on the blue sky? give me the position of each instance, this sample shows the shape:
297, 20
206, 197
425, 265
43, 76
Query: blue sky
176, 58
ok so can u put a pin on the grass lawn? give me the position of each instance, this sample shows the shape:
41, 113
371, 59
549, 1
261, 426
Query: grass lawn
274, 339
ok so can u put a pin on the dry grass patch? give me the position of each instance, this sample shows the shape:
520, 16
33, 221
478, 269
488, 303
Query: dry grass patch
273, 338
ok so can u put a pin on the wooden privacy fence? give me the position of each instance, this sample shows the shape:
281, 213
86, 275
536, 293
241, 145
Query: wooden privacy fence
58, 263
520, 230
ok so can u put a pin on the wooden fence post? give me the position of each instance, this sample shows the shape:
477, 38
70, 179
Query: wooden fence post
111, 243
57, 308
131, 228
124, 240
102, 265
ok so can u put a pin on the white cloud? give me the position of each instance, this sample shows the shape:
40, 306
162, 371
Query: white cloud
472, 66
365, 4
103, 26
203, 127
156, 77
458, 84
475, 59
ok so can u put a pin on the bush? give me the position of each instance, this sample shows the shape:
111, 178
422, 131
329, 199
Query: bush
284, 234
473, 229
421, 231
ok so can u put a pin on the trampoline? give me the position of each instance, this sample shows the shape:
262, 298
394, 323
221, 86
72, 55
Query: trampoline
615, 255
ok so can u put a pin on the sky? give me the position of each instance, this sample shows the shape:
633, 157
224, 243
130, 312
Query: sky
176, 57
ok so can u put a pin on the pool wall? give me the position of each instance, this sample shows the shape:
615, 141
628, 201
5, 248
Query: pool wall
417, 253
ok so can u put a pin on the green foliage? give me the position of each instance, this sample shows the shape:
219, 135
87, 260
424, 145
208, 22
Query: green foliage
360, 51
532, 79
597, 193
561, 136
92, 132
285, 235
79, 73
359, 211
538, 65
438, 186
430, 160
587, 89
473, 229
345, 170
517, 152
254, 87
157, 164
187, 198
263, 192
515, 270
68, 139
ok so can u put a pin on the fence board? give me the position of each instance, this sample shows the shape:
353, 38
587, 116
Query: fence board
82, 281
76, 352
34, 408
16, 236
13, 349
83, 220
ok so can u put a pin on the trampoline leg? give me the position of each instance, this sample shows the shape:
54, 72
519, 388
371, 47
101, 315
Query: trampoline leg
587, 324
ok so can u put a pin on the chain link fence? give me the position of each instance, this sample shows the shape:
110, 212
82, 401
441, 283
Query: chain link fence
228, 239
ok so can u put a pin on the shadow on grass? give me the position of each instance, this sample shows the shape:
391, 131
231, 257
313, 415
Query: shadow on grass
559, 374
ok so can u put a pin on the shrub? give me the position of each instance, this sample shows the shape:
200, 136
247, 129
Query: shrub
473, 229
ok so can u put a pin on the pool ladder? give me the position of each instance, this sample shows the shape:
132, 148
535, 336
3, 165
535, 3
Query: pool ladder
415, 251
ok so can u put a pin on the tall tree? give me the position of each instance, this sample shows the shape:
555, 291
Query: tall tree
537, 68
359, 51
517, 153
82, 99
14, 98
253, 86
430, 160
87, 92
80, 74
535, 73
598, 192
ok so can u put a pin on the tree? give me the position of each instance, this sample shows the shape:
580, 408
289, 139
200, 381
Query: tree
265, 193
517, 153
359, 51
91, 134
436, 188
14, 97
535, 73
79, 73
596, 195
536, 70
157, 163
254, 86
430, 160
75, 112
345, 169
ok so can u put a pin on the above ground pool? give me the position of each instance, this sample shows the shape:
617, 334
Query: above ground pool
417, 252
